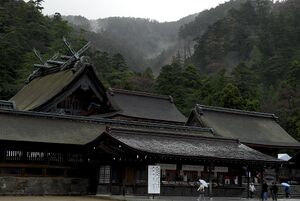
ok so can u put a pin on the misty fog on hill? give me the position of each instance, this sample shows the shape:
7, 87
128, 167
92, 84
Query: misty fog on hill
148, 43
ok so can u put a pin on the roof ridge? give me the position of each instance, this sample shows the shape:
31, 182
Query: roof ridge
57, 69
107, 121
200, 108
173, 135
59, 61
140, 93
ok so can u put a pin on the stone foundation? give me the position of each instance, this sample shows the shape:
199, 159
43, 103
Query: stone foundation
44, 186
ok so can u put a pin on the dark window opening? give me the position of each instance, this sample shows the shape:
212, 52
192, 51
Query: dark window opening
33, 171
10, 171
83, 101
76, 173
55, 172
141, 175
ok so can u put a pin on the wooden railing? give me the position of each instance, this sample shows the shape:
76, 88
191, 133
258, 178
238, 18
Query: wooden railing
57, 158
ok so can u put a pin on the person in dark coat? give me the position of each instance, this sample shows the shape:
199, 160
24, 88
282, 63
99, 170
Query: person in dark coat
274, 191
264, 193
287, 191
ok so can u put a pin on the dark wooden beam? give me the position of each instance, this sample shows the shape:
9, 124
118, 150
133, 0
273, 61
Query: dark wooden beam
58, 63
40, 66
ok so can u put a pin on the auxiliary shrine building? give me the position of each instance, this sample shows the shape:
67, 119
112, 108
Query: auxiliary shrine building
65, 133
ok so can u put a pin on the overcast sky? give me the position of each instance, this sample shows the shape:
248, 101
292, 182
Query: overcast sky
161, 10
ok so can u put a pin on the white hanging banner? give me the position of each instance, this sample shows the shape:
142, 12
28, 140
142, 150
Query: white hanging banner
153, 179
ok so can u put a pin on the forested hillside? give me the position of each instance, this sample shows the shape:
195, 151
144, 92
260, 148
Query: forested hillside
250, 59
204, 19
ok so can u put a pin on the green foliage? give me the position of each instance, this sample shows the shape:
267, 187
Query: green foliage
230, 97
294, 75
240, 90
113, 71
246, 81
119, 62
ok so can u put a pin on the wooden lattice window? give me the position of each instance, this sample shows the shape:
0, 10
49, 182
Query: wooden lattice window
104, 174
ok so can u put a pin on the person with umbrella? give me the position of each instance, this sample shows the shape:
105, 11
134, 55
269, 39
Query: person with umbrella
201, 189
252, 189
287, 189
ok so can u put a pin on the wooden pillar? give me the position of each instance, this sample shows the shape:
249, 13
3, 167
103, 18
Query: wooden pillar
248, 182
277, 172
44, 172
65, 162
65, 158
110, 177
124, 178
2, 155
210, 180
97, 172
262, 180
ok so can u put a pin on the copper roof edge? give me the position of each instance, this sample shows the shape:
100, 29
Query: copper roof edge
200, 108
273, 145
162, 121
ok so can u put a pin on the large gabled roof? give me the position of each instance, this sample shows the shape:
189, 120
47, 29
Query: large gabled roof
145, 106
187, 145
48, 87
252, 128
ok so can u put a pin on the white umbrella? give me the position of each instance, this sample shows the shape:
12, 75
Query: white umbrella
285, 184
284, 157
203, 182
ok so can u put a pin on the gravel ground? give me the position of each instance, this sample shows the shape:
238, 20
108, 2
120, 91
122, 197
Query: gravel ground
51, 198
